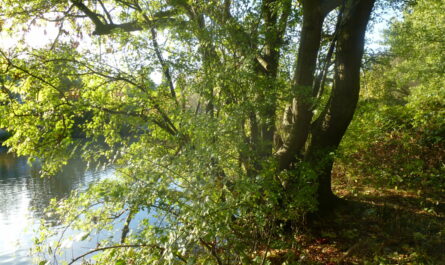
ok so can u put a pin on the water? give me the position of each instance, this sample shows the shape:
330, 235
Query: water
23, 198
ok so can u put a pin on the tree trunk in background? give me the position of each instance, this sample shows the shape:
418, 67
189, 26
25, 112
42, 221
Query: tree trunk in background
301, 113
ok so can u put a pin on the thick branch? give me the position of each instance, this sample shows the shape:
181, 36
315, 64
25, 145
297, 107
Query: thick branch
328, 130
319, 83
331, 125
329, 5
210, 247
103, 28
92, 15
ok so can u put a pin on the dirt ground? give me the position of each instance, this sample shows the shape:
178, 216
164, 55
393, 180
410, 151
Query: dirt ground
375, 226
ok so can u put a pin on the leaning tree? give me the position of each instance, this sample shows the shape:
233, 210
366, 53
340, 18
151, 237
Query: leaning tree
212, 111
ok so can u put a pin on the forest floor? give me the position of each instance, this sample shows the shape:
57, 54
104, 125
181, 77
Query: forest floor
376, 226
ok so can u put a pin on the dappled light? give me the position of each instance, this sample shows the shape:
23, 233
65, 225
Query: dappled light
222, 132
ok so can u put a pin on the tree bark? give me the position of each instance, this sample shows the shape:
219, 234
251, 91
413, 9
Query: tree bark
314, 13
329, 128
301, 113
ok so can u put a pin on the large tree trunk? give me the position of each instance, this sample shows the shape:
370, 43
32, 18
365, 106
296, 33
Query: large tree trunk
301, 112
329, 128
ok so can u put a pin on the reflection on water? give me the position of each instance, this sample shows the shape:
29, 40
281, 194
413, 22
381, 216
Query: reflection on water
23, 198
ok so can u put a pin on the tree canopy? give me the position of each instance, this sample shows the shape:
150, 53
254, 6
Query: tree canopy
221, 118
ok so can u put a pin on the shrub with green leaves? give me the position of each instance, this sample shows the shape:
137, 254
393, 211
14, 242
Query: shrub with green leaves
398, 134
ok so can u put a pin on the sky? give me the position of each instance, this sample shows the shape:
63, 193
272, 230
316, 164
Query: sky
38, 37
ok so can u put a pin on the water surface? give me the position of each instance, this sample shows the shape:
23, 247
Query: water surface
23, 198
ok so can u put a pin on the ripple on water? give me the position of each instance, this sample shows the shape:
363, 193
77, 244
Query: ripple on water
18, 257
23, 199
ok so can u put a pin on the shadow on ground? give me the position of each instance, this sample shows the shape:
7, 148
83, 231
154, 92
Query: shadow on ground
375, 227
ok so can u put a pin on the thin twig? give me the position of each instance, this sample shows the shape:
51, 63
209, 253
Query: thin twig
165, 68
112, 247
106, 12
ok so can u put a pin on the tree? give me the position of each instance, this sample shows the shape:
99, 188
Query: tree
205, 143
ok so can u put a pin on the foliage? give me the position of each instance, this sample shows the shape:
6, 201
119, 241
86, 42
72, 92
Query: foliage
398, 135
173, 107
184, 98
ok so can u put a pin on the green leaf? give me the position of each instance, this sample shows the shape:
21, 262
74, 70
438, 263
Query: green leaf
120, 262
